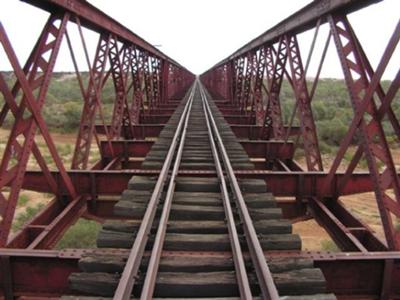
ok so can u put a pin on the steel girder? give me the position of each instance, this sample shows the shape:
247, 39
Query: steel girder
248, 75
120, 71
368, 121
275, 72
258, 101
147, 82
156, 79
33, 87
238, 94
282, 183
137, 94
347, 274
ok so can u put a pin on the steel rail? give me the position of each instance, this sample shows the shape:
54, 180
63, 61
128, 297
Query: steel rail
240, 267
152, 269
129, 275
265, 280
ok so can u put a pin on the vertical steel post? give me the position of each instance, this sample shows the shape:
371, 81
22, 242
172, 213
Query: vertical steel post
247, 82
156, 79
239, 82
308, 129
258, 103
361, 91
137, 81
21, 140
92, 99
119, 72
147, 80
165, 73
275, 72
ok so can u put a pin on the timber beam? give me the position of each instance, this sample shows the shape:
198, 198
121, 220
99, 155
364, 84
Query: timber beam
346, 273
45, 230
255, 149
242, 131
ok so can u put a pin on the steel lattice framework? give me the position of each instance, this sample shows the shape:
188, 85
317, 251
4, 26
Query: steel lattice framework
248, 87
132, 64
278, 49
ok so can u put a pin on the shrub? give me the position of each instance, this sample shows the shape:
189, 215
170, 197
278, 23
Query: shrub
325, 148
331, 131
64, 149
81, 235
397, 226
320, 110
72, 115
24, 217
23, 199
329, 245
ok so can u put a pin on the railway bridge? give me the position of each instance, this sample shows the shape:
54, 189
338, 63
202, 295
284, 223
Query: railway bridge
195, 182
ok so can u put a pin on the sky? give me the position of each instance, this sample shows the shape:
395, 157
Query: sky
198, 34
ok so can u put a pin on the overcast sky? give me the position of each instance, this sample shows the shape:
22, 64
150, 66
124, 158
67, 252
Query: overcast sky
198, 34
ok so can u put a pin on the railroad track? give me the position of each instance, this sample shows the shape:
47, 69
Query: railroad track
197, 237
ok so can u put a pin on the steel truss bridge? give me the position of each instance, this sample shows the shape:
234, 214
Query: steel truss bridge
197, 179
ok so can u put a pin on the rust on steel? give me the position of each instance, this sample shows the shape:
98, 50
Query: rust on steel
265, 280
240, 268
129, 275
152, 269
302, 20
96, 20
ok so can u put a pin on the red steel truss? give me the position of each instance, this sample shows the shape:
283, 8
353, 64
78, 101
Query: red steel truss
116, 57
247, 87
279, 49
368, 120
19, 145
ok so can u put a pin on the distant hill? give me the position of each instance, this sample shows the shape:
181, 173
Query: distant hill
331, 105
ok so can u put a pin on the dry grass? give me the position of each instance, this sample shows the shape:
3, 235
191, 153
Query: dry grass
313, 236
29, 201
65, 144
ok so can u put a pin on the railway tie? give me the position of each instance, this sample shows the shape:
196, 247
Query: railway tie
197, 237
